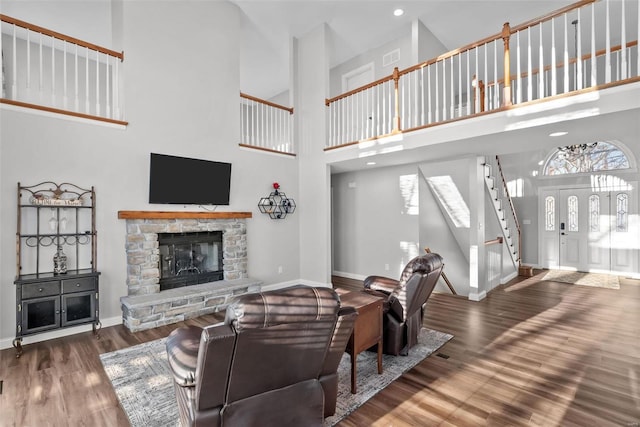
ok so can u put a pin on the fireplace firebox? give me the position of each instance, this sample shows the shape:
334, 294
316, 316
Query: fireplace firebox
190, 258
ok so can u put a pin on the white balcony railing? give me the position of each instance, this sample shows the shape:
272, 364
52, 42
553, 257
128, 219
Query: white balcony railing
585, 45
265, 125
46, 70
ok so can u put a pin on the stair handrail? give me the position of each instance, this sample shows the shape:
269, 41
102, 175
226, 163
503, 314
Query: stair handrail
512, 208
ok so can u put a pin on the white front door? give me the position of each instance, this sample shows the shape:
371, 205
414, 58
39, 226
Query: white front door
584, 230
588, 230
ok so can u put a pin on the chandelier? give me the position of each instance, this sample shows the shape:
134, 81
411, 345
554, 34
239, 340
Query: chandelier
579, 149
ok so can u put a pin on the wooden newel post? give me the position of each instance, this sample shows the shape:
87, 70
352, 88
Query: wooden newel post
396, 117
506, 93
478, 94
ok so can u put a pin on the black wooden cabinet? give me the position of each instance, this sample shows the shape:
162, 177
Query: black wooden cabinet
57, 280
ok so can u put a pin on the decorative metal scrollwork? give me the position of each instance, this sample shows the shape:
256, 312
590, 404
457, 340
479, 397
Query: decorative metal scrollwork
277, 204
46, 240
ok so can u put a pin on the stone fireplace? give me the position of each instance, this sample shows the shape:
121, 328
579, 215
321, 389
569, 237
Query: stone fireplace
184, 294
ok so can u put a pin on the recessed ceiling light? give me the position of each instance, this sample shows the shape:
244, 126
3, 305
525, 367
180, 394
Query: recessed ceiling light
554, 134
371, 163
398, 12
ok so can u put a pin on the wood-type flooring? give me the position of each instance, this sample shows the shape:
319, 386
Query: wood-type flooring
532, 353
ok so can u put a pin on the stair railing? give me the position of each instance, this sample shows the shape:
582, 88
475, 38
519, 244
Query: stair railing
559, 53
512, 209
265, 125
49, 71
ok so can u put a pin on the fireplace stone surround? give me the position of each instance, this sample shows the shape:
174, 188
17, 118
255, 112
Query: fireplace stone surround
145, 307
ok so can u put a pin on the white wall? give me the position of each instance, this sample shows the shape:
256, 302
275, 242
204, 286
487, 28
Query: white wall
374, 224
181, 89
375, 56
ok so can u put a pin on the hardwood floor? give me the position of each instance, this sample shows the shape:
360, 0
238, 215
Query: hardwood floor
531, 353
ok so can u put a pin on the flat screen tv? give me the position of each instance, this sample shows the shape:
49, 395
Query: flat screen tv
186, 181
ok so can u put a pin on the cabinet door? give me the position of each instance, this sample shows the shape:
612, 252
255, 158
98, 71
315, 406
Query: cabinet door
40, 314
79, 307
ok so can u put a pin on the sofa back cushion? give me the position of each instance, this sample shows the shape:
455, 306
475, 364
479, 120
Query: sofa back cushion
282, 338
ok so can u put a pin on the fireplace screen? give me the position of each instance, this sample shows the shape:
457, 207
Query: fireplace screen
190, 258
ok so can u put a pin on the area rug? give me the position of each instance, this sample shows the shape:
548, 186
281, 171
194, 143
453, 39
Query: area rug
142, 381
597, 280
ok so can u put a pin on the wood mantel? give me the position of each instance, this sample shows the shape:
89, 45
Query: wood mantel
181, 215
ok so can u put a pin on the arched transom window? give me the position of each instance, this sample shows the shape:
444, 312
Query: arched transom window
585, 158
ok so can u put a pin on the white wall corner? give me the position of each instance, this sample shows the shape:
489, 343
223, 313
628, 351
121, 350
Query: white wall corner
508, 277
475, 296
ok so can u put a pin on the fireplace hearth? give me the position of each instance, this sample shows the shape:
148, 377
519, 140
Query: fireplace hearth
188, 259
211, 246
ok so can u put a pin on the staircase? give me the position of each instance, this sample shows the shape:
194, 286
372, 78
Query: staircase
505, 212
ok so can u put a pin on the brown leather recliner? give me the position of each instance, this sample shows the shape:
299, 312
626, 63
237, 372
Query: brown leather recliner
268, 364
405, 300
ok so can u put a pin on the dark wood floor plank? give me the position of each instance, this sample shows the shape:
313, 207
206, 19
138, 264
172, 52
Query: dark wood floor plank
532, 353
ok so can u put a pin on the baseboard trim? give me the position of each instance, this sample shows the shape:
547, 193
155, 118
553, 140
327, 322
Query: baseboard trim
349, 275
59, 333
509, 277
474, 296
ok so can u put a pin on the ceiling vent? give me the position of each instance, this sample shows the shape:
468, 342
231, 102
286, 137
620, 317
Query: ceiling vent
391, 57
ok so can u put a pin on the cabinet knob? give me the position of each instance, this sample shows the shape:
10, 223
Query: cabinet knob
77, 285
39, 289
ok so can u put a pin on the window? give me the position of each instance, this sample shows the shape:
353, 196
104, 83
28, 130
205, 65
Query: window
572, 211
622, 208
585, 158
594, 212
549, 213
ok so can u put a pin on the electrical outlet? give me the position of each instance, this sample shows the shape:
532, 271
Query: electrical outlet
279, 269
386, 267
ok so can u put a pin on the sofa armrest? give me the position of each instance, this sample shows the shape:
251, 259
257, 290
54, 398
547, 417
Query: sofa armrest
342, 333
380, 283
182, 353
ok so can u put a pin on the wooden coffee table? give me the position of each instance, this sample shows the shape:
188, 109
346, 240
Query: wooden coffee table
367, 330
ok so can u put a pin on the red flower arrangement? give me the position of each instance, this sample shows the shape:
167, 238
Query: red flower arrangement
276, 185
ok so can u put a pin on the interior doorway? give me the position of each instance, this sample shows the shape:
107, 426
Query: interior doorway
587, 229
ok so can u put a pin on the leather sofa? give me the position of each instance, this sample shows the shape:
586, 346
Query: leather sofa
405, 300
272, 362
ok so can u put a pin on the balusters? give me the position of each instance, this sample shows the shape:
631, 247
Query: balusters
65, 99
53, 72
47, 53
496, 86
566, 56
579, 77
28, 85
452, 97
76, 98
437, 85
14, 86
460, 112
541, 92
554, 81
518, 88
554, 67
107, 91
623, 44
529, 67
429, 93
594, 67
97, 83
469, 86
